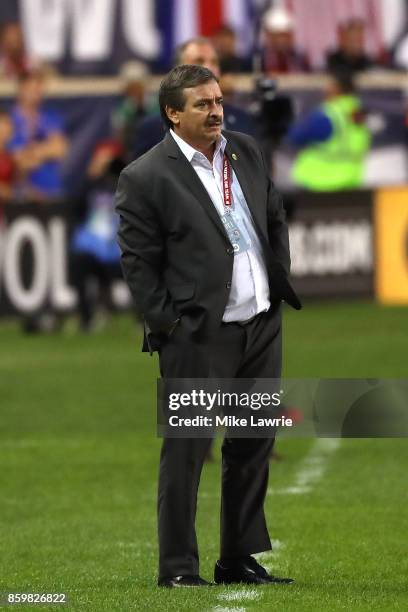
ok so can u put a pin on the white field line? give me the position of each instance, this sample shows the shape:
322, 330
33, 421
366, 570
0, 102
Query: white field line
312, 468
238, 595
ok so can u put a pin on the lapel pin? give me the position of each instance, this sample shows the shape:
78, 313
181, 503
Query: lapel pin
234, 156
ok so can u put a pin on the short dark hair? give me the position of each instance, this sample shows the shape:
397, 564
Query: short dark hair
171, 92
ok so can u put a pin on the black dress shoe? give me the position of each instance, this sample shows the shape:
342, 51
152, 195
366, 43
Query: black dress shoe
182, 581
246, 570
261, 571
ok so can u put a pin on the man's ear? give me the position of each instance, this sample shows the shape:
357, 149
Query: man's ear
173, 115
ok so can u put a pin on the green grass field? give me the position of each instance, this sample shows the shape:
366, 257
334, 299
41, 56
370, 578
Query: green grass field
79, 455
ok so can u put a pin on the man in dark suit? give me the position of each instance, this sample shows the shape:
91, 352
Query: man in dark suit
211, 302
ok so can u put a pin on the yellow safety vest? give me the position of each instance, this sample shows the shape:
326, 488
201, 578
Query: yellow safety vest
337, 163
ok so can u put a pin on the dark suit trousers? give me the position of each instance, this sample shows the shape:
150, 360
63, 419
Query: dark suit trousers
253, 350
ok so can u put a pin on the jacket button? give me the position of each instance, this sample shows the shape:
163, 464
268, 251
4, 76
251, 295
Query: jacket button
230, 250
228, 285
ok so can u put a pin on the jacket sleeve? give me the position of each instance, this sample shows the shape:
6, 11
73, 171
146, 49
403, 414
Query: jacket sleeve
317, 127
277, 227
142, 243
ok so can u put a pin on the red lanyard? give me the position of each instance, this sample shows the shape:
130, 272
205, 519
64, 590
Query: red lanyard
226, 182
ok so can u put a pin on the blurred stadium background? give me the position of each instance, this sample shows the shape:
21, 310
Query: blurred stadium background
322, 86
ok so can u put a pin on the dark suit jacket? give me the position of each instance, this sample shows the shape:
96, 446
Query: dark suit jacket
176, 256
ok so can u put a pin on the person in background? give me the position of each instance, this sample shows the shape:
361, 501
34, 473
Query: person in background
333, 140
38, 144
225, 43
134, 107
350, 55
200, 52
279, 55
14, 61
94, 259
7, 165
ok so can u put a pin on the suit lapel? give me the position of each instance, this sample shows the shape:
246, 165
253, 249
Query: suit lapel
192, 182
244, 180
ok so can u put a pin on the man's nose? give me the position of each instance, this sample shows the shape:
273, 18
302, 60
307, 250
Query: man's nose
215, 111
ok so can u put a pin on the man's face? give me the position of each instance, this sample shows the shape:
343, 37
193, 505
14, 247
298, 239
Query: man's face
280, 41
200, 122
201, 54
12, 40
32, 91
332, 89
136, 91
352, 40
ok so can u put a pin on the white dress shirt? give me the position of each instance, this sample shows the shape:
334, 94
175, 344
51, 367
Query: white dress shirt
249, 293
